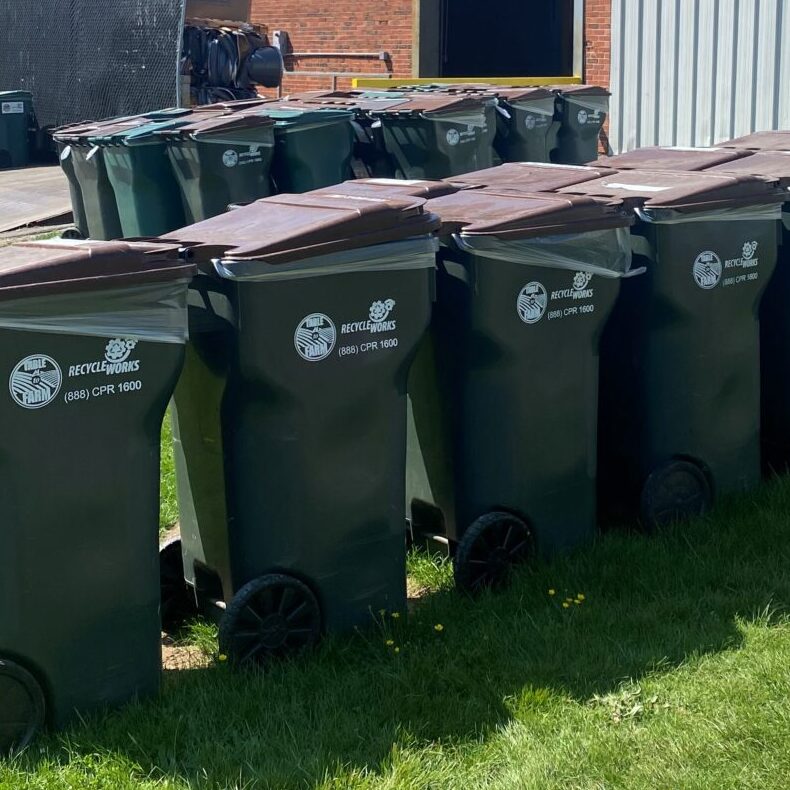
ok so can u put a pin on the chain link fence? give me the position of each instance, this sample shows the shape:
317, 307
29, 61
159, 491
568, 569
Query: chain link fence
91, 59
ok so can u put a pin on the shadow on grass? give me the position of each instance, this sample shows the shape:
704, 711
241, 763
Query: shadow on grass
649, 604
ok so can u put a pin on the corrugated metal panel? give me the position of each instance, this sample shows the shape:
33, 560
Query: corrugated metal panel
696, 72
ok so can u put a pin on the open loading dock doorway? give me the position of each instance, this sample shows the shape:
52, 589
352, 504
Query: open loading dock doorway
499, 38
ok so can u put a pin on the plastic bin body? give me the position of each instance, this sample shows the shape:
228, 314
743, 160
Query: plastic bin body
312, 452
98, 195
90, 373
582, 112
530, 132
66, 158
16, 111
217, 168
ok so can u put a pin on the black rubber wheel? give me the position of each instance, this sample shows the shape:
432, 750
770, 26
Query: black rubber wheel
177, 603
22, 707
271, 617
489, 549
676, 491
72, 233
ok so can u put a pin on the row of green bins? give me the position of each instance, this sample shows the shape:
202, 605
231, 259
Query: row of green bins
291, 521
91, 343
680, 357
774, 323
582, 112
670, 158
527, 128
16, 123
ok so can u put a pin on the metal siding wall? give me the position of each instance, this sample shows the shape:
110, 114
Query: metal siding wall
697, 72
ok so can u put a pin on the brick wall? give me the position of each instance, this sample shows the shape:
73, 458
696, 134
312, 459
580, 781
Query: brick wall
340, 26
597, 41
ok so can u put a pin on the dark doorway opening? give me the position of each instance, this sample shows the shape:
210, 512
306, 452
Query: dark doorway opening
497, 38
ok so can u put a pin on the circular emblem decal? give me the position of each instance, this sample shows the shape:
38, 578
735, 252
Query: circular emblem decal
582, 117
531, 303
315, 337
453, 137
230, 159
530, 122
119, 349
35, 381
707, 270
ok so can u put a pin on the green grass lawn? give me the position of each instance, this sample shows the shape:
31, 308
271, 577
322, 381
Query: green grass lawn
671, 673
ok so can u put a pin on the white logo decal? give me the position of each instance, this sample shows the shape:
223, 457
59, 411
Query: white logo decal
749, 249
531, 303
581, 280
380, 310
582, 117
315, 337
707, 270
230, 159
118, 350
35, 381
530, 122
453, 137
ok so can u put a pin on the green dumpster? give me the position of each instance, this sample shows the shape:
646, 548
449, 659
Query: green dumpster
504, 391
16, 116
680, 359
582, 111
288, 516
220, 159
437, 136
526, 126
774, 320
91, 344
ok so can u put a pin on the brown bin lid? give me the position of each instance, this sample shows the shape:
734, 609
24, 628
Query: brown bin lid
531, 176
348, 100
523, 215
682, 191
390, 187
773, 164
434, 103
222, 123
287, 228
579, 90
50, 267
669, 158
523, 94
762, 141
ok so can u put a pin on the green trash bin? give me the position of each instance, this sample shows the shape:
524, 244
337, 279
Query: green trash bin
91, 344
288, 514
93, 200
680, 359
503, 393
582, 111
774, 319
138, 167
437, 136
526, 127
313, 146
16, 122
219, 160
669, 158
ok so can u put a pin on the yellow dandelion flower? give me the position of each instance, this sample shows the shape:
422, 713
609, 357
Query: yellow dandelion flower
565, 605
577, 602
552, 592
438, 627
397, 650
222, 657
395, 615
390, 642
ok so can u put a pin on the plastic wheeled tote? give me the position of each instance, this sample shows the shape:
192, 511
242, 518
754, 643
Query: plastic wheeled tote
16, 123
680, 358
582, 111
526, 125
774, 318
504, 391
91, 344
290, 453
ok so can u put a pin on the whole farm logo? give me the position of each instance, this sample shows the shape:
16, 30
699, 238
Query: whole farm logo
531, 302
707, 270
35, 381
315, 337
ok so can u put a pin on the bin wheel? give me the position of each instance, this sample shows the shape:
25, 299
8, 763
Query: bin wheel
489, 549
22, 708
72, 233
676, 491
177, 603
273, 616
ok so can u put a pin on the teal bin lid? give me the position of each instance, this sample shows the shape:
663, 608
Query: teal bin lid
298, 116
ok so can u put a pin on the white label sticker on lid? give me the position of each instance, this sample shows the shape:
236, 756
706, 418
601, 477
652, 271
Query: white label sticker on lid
13, 108
633, 187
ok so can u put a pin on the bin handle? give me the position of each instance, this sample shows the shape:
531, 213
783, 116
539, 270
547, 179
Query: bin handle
456, 270
634, 272
210, 300
641, 246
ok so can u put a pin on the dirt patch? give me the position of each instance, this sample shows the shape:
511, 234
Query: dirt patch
182, 657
